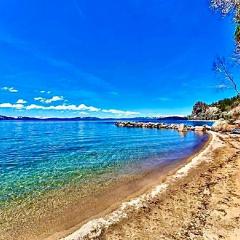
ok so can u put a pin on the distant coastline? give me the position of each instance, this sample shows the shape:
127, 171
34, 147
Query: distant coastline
19, 118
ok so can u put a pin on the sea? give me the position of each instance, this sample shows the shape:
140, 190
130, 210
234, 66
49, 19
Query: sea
39, 158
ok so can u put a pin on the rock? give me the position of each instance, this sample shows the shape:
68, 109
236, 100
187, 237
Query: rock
229, 128
182, 128
236, 131
199, 128
206, 192
235, 112
207, 127
237, 123
217, 125
222, 126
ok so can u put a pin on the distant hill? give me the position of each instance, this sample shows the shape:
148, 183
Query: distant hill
173, 118
144, 119
49, 119
228, 108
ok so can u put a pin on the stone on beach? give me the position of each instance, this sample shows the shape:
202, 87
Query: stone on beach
200, 128
222, 126
237, 123
236, 131
182, 128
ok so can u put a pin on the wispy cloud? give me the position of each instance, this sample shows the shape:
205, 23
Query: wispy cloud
78, 9
163, 99
43, 91
221, 86
72, 107
10, 89
72, 70
120, 112
113, 93
49, 100
21, 101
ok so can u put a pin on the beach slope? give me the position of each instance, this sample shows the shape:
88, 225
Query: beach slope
200, 201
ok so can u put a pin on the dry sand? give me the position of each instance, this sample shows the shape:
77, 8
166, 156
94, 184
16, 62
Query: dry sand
200, 201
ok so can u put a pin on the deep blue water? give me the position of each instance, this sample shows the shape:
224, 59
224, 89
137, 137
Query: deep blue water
39, 156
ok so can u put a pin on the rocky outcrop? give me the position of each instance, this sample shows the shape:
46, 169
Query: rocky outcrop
228, 109
178, 127
202, 111
219, 126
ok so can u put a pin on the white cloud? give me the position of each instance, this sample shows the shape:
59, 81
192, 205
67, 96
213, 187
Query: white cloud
21, 101
81, 107
10, 105
34, 106
120, 112
88, 108
49, 100
72, 107
40, 99
10, 89
54, 99
43, 91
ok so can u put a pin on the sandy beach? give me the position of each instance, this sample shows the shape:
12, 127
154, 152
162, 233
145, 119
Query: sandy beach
201, 200
120, 120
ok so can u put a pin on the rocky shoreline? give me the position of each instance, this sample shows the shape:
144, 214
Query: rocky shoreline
218, 126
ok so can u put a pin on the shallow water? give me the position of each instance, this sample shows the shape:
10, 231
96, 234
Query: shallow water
36, 157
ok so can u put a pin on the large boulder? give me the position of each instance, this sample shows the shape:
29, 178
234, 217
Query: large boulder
222, 126
182, 128
236, 131
200, 128
207, 127
235, 113
237, 123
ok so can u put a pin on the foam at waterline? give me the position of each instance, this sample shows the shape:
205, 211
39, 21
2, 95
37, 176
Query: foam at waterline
94, 228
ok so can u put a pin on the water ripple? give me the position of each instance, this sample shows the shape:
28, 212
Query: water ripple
36, 157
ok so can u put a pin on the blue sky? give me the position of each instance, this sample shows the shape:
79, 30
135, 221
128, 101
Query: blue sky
109, 58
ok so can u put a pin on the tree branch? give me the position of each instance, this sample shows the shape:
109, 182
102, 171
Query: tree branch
220, 66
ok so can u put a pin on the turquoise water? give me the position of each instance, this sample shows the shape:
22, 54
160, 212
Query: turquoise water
36, 157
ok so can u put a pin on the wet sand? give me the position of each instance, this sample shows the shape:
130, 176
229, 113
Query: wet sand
199, 201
